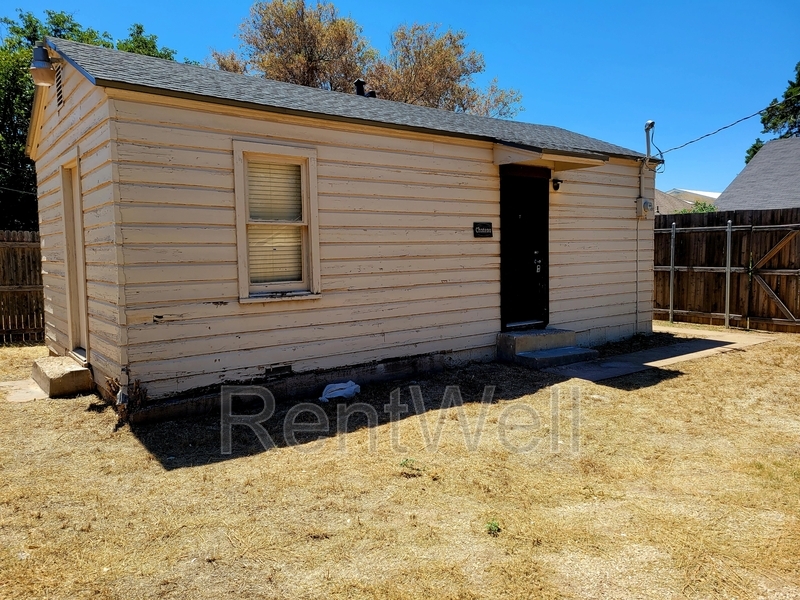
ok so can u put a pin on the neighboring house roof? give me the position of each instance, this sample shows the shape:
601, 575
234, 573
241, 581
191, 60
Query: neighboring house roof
694, 195
667, 204
712, 195
770, 180
112, 68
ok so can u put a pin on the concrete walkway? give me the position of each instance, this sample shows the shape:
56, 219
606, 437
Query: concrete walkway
24, 390
704, 343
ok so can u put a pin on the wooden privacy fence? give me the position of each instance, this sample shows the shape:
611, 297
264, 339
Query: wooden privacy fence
737, 267
21, 293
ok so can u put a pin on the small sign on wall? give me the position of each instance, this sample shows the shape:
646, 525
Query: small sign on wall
482, 230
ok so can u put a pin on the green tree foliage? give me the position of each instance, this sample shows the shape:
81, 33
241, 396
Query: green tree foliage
292, 41
139, 42
752, 150
699, 207
28, 29
17, 173
781, 118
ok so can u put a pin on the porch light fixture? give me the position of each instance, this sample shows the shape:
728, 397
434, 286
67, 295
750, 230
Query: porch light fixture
556, 184
42, 67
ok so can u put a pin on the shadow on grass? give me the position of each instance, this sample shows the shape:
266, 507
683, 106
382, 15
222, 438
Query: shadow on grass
635, 381
622, 371
197, 441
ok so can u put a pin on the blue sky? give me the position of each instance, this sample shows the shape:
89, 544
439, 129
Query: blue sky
598, 68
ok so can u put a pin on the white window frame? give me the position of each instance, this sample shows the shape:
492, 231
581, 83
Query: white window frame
306, 158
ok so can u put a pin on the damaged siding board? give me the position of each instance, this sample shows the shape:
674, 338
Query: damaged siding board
401, 274
172, 378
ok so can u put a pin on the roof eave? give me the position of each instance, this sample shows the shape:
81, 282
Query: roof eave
51, 44
32, 139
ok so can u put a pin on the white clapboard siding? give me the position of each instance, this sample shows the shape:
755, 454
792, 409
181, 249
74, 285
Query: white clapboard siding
369, 316
593, 253
307, 357
81, 122
401, 272
171, 382
365, 300
396, 247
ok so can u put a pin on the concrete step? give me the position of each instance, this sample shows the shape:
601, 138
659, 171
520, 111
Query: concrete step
555, 357
510, 344
61, 376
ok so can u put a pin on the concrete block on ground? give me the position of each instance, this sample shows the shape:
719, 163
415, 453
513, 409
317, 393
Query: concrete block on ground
554, 357
512, 343
62, 376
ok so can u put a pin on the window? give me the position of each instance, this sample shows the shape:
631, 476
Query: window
276, 221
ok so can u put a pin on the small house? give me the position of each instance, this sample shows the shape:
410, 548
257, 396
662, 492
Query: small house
201, 227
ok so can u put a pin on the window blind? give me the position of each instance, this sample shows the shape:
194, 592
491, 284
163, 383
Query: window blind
275, 251
273, 192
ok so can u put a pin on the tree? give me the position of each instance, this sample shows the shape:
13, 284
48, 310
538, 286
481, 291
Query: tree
28, 29
290, 41
17, 172
753, 150
140, 43
781, 118
431, 69
227, 61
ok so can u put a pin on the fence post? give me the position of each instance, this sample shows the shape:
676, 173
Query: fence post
672, 274
728, 279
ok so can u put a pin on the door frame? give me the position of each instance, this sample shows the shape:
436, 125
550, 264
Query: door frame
74, 256
532, 172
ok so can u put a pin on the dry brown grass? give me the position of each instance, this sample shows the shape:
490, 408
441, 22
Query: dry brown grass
16, 361
687, 484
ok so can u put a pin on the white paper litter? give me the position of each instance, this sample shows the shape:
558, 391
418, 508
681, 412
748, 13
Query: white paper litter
340, 390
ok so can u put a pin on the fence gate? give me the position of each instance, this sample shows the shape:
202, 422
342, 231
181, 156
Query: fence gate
746, 273
21, 294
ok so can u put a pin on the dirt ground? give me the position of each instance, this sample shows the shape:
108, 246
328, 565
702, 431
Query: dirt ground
674, 483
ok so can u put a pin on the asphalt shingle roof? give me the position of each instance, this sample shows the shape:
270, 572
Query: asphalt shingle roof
112, 68
770, 180
670, 205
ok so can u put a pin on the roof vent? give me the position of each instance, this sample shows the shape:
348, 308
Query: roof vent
360, 91
59, 87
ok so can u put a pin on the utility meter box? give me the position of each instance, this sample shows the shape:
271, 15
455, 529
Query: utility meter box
645, 207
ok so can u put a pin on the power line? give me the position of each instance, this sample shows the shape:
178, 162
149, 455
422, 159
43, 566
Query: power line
702, 137
755, 114
18, 191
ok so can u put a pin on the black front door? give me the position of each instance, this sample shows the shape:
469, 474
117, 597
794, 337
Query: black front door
524, 241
